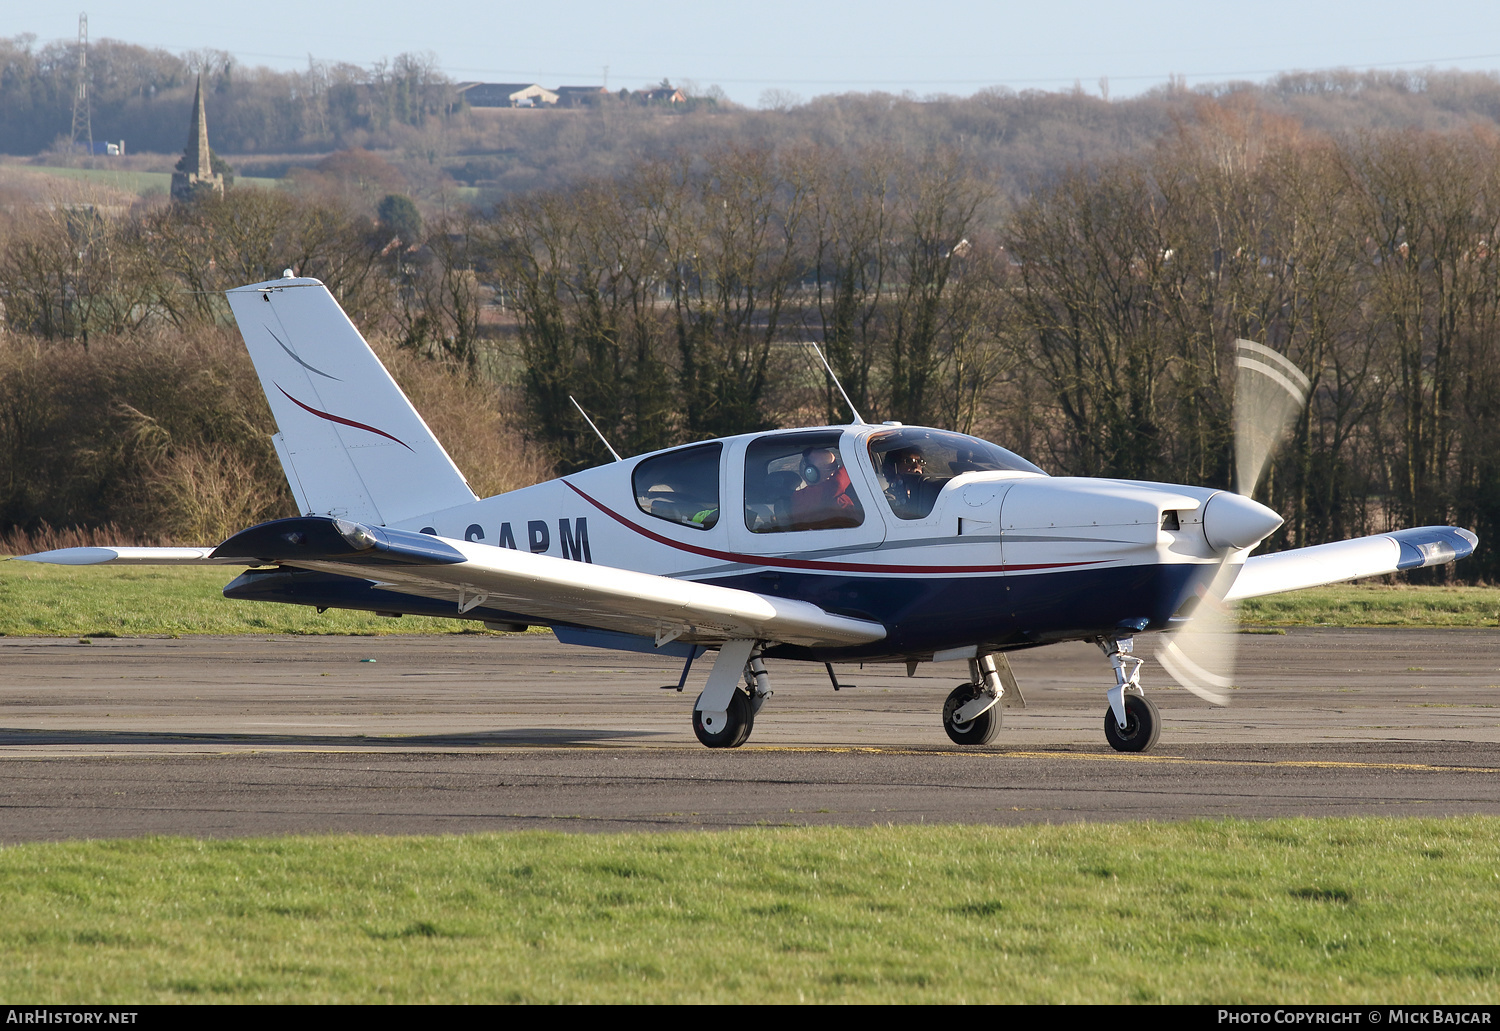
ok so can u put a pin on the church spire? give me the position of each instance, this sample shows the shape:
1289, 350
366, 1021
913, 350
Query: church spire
196, 169
198, 138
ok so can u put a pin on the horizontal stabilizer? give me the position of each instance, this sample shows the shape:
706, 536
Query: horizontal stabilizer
1351, 560
544, 589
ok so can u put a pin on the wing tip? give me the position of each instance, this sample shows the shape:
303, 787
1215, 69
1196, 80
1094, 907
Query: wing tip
1433, 545
71, 556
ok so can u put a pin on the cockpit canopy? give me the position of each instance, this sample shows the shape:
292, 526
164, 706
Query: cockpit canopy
798, 480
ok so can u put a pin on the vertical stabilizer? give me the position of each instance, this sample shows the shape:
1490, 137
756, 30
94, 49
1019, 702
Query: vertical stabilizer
351, 443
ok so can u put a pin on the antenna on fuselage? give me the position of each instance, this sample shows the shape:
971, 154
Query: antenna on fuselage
594, 428
831, 375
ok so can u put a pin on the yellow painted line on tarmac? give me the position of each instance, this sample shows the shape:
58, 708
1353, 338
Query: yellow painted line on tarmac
28, 753
1128, 758
1291, 763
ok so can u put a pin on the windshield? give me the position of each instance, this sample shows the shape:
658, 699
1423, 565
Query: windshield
913, 464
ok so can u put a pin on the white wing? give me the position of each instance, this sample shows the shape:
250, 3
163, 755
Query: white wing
544, 589
1351, 560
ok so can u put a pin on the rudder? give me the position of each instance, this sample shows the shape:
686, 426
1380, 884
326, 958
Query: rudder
351, 443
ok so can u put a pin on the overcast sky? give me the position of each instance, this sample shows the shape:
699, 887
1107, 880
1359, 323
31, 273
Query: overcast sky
811, 48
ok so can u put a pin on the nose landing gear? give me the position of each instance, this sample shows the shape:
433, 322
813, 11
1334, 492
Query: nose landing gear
1142, 724
1131, 724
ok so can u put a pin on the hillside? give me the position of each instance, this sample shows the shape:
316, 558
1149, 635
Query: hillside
269, 122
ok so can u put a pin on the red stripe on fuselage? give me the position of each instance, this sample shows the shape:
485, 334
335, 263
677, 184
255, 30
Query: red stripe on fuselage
342, 421
803, 563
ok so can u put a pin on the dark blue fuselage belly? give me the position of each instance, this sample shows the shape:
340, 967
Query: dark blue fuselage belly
926, 614
921, 614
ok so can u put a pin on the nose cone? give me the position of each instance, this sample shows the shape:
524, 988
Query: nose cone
1235, 521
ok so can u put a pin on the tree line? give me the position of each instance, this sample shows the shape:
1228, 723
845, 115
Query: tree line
1088, 324
144, 95
128, 406
268, 121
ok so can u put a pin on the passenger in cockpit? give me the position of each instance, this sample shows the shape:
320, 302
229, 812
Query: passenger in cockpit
825, 500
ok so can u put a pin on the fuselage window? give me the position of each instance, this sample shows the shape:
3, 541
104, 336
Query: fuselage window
913, 465
681, 486
797, 481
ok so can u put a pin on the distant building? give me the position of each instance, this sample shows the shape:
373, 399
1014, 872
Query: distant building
505, 94
195, 171
580, 96
660, 95
529, 94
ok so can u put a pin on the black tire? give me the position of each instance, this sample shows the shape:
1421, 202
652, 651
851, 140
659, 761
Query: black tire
1142, 725
981, 730
736, 732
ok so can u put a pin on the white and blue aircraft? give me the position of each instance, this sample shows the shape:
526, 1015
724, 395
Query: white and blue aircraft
855, 543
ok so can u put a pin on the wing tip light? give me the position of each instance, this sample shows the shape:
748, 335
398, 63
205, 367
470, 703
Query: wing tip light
1433, 545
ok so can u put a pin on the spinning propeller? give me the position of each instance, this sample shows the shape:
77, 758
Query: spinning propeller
1269, 393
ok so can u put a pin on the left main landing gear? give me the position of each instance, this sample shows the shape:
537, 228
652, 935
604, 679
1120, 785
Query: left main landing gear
1131, 723
980, 730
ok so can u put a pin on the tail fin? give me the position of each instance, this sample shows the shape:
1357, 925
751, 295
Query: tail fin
351, 443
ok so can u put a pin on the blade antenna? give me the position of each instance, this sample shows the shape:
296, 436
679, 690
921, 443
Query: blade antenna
594, 428
831, 375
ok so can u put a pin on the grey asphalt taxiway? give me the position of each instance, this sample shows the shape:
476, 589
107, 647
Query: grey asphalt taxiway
269, 735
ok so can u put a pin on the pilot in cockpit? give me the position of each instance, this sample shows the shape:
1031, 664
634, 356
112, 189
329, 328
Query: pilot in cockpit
906, 476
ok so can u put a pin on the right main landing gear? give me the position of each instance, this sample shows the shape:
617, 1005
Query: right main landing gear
728, 729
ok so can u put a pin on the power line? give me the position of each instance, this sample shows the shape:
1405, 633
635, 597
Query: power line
83, 124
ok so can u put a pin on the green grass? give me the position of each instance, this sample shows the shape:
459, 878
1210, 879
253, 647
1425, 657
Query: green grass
128, 601
1377, 605
139, 183
1224, 911
71, 601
